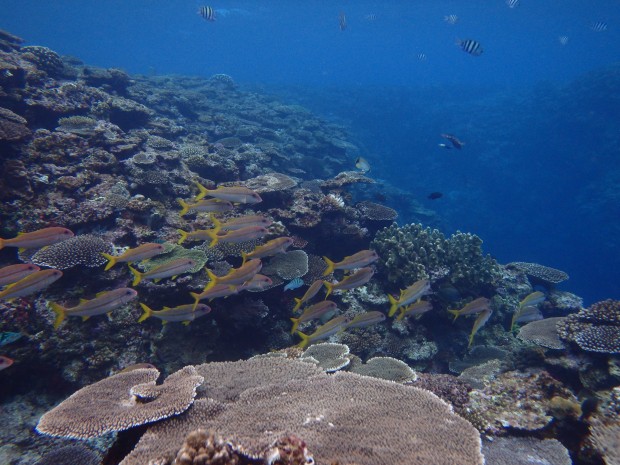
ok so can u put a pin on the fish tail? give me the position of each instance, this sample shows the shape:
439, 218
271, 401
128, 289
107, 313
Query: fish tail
185, 207
244, 256
137, 276
394, 306
212, 282
471, 339
111, 260
305, 340
330, 266
183, 236
203, 191
196, 298
330, 288
401, 315
212, 233
60, 312
217, 224
298, 303
148, 312
455, 313
296, 322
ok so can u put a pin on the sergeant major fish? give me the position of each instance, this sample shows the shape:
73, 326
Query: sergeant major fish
207, 13
104, 302
470, 46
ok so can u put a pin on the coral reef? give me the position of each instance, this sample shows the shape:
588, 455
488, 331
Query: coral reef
594, 329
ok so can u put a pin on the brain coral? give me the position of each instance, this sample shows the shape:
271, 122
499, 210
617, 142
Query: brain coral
411, 252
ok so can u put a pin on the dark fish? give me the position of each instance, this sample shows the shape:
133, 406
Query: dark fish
451, 19
470, 46
342, 21
512, 3
598, 26
422, 56
456, 143
207, 13
435, 195
5, 362
563, 40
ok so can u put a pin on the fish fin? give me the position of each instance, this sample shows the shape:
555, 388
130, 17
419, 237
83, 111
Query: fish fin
111, 260
137, 276
401, 315
203, 191
99, 294
394, 306
1, 244
186, 323
214, 237
455, 313
174, 277
157, 280
330, 266
183, 236
305, 339
109, 315
196, 298
330, 288
298, 303
471, 339
148, 312
60, 312
85, 317
244, 256
185, 206
21, 249
166, 308
296, 322
213, 281
164, 322
83, 301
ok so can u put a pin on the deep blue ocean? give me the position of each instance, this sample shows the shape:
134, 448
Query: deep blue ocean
538, 177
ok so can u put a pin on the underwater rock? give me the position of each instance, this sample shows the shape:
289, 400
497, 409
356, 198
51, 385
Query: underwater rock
12, 127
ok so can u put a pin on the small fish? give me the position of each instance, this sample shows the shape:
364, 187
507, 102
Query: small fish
563, 40
236, 194
512, 3
357, 260
416, 309
5, 362
370, 17
479, 323
240, 235
167, 270
362, 164
421, 56
205, 206
525, 315
8, 337
362, 320
198, 235
445, 146
456, 143
294, 284
104, 302
137, 366
37, 239
475, 306
414, 292
534, 298
313, 290
30, 284
13, 273
207, 13
451, 19
342, 21
243, 222
142, 252
357, 279
259, 282
598, 26
218, 290
236, 276
184, 313
330, 328
470, 46
269, 249
435, 195
314, 311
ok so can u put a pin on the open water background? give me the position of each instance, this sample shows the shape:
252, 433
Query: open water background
539, 177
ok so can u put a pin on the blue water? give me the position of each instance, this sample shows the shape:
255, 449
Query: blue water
538, 177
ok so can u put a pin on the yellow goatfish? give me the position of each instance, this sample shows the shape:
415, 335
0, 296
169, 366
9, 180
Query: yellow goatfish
243, 221
417, 309
235, 194
142, 252
236, 276
361, 320
357, 260
314, 311
205, 206
333, 326
270, 248
104, 302
313, 290
198, 235
30, 284
13, 273
479, 323
173, 268
259, 282
247, 233
475, 306
218, 290
409, 295
357, 279
36, 239
184, 313
532, 299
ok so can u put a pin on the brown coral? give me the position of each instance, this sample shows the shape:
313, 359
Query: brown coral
12, 126
543, 333
202, 448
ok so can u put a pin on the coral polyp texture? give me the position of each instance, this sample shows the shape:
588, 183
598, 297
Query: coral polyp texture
594, 329
412, 252
82, 250
539, 272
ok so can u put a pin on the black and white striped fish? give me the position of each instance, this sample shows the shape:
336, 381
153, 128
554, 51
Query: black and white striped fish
563, 40
470, 46
598, 26
342, 21
422, 56
207, 13
451, 19
512, 3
